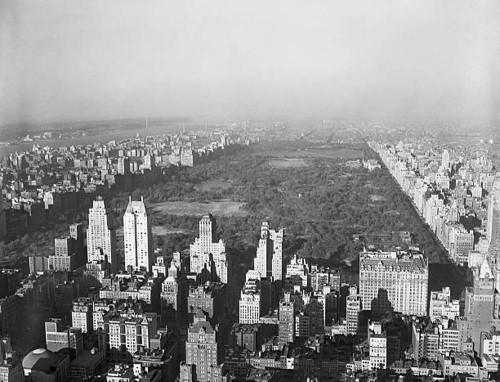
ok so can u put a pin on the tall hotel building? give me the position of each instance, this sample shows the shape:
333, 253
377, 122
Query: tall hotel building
137, 237
269, 259
399, 277
101, 235
207, 253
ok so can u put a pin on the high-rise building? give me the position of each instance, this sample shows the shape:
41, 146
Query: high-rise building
64, 258
137, 237
445, 160
123, 166
250, 306
208, 256
3, 220
269, 259
493, 222
173, 297
482, 306
286, 328
202, 351
101, 235
395, 280
353, 311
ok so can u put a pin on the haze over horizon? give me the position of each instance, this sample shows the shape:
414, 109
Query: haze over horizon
74, 60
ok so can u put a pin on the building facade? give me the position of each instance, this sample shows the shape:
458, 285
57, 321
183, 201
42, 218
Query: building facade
396, 278
101, 235
137, 237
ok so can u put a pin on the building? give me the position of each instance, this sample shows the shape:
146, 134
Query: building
130, 333
174, 300
101, 235
65, 293
441, 305
81, 315
300, 268
209, 297
10, 367
57, 338
44, 365
269, 258
353, 311
493, 221
207, 255
137, 237
431, 339
88, 364
462, 363
397, 279
10, 279
250, 304
202, 352
8, 314
3, 220
377, 342
482, 306
126, 373
319, 278
286, 328
38, 263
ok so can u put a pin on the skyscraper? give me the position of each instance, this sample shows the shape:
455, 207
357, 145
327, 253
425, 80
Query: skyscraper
101, 235
445, 160
353, 311
269, 259
250, 306
286, 328
3, 222
493, 222
208, 255
137, 237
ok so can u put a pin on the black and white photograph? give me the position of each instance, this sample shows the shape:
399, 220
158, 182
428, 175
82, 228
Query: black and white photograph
262, 191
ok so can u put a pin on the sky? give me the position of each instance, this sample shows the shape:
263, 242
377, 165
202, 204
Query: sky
98, 59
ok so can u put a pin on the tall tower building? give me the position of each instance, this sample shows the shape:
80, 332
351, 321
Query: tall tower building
206, 255
202, 351
286, 328
101, 235
137, 237
353, 311
394, 280
3, 221
493, 222
445, 160
250, 305
269, 259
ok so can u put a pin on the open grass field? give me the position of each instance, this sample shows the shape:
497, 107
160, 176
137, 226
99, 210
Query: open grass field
298, 149
163, 231
218, 208
288, 163
210, 185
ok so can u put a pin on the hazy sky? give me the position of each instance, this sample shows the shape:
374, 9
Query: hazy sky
248, 59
